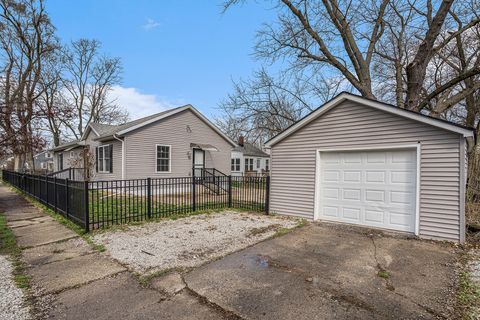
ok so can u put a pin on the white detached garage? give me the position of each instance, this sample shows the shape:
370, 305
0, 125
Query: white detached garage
363, 162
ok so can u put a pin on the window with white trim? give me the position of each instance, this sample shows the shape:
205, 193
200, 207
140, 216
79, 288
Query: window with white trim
104, 158
235, 164
248, 164
258, 163
163, 154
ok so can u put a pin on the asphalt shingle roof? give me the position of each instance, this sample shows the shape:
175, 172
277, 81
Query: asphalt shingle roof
249, 149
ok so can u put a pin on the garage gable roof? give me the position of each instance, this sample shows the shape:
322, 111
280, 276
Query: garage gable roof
345, 96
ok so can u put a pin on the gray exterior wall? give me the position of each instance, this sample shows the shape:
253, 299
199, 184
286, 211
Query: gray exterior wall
355, 125
116, 158
140, 147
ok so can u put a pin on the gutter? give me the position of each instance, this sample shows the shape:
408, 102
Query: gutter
123, 154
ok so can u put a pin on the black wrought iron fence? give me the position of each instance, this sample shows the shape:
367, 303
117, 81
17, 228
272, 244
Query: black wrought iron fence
98, 204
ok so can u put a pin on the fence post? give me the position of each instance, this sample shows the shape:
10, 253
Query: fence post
194, 204
55, 194
47, 202
149, 197
67, 197
230, 191
267, 194
87, 213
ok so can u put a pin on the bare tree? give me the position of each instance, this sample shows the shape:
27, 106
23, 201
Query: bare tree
386, 49
260, 108
88, 80
54, 108
26, 38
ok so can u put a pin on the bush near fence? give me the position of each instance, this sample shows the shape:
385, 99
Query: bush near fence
99, 204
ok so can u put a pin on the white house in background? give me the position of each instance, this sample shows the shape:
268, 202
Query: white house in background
248, 159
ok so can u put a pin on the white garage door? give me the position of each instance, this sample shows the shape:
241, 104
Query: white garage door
372, 188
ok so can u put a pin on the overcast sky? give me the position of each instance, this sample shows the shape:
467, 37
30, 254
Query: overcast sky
173, 52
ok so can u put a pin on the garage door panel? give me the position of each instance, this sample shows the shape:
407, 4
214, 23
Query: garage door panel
351, 213
331, 176
374, 188
352, 194
330, 211
376, 157
374, 217
350, 176
402, 177
375, 195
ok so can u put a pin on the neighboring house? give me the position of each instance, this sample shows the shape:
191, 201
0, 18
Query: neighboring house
166, 144
43, 161
359, 161
248, 159
7, 163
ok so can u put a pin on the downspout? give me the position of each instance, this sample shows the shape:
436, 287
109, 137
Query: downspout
123, 154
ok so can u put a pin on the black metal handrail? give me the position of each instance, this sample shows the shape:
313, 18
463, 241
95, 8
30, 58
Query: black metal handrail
209, 178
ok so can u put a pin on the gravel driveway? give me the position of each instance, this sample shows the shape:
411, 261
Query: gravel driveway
190, 241
12, 304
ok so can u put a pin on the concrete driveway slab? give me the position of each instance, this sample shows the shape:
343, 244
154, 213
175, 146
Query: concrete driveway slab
42, 233
121, 297
327, 271
60, 275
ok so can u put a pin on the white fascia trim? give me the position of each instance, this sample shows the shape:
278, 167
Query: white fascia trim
175, 111
374, 104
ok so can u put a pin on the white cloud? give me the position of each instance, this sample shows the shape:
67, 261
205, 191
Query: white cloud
151, 24
139, 104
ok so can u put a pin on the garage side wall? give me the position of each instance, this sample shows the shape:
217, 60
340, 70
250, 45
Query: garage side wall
350, 125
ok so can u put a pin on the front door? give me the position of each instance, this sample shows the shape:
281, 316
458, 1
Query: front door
198, 162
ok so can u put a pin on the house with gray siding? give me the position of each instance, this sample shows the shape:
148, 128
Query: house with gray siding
166, 144
363, 162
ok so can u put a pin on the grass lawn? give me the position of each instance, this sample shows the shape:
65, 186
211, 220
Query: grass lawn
108, 207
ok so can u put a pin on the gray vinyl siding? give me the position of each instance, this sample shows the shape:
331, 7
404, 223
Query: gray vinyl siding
354, 125
116, 158
140, 146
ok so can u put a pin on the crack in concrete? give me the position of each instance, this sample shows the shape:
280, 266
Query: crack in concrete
229, 314
390, 286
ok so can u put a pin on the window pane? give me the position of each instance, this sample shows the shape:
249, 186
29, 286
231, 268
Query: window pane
107, 165
162, 165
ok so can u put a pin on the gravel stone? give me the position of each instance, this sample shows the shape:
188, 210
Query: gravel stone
12, 303
189, 242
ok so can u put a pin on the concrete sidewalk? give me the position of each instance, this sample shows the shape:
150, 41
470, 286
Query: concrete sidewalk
72, 281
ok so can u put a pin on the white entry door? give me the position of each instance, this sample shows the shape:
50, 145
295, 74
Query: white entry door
371, 188
198, 162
